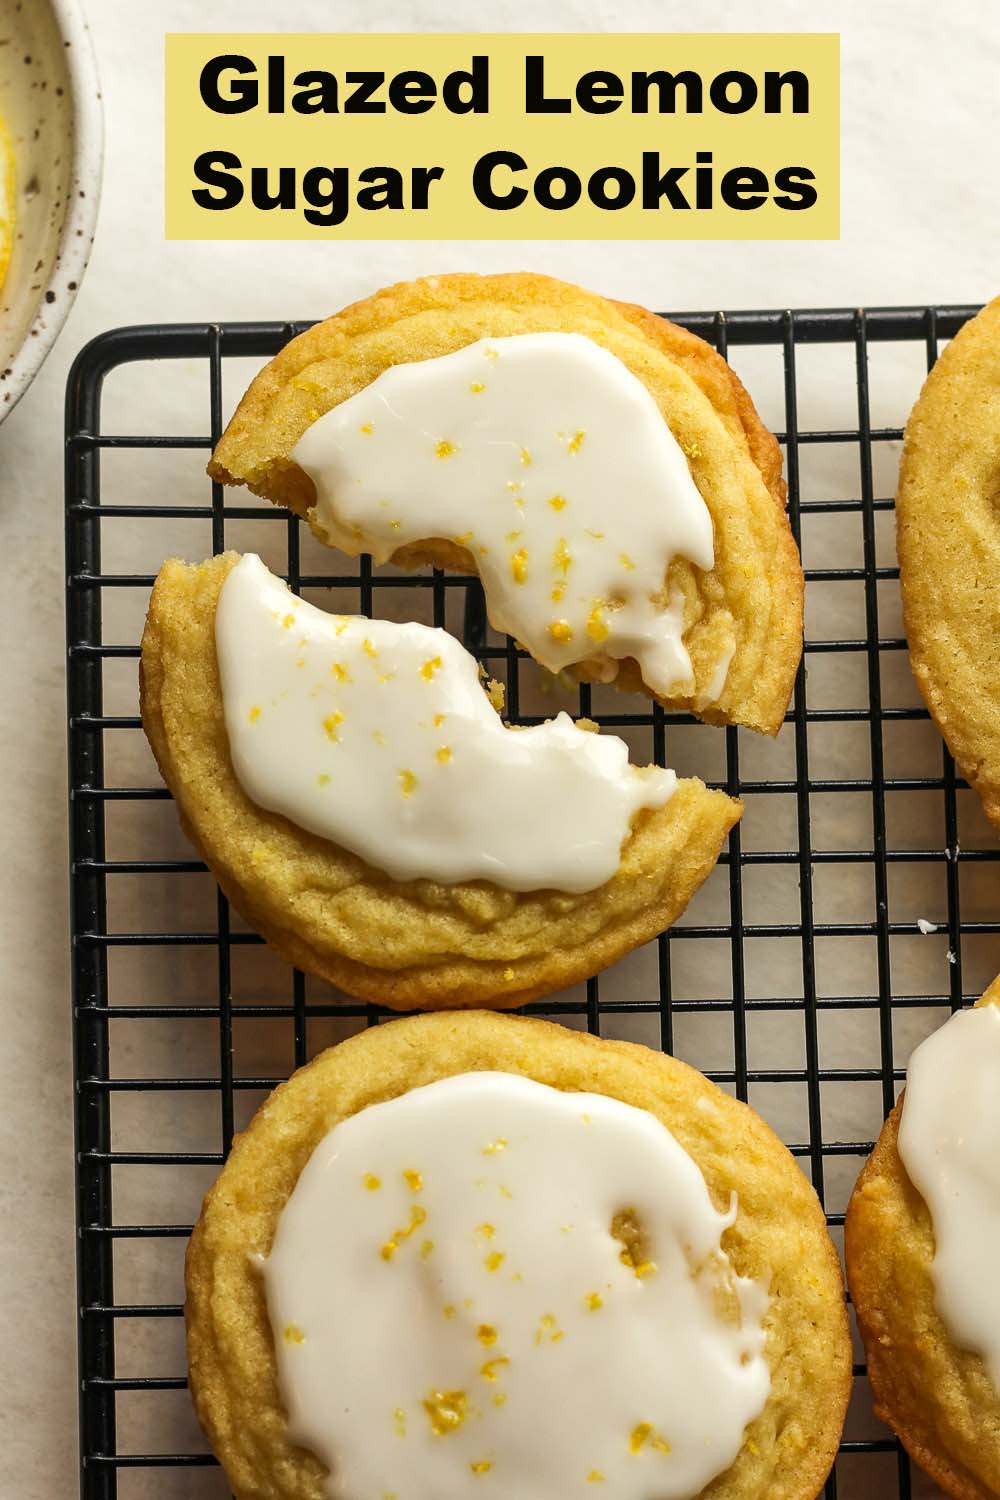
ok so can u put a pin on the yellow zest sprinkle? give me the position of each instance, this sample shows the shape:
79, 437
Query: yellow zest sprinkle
517, 1276
625, 1227
597, 535
367, 428
288, 621
395, 525
255, 713
486, 1230
414, 1181
558, 502
508, 975
342, 627
482, 1467
330, 725
294, 1334
500, 1144
494, 1260
525, 456
519, 565
576, 441
438, 720
595, 1301
323, 779
300, 662
426, 1249
514, 485
417, 1217
558, 593
491, 353
407, 783
595, 1477
451, 1312
505, 1192
500, 1400
340, 672
430, 666
561, 557
547, 1325
643, 1434
372, 1183
477, 387
482, 551
489, 1370
378, 736
368, 647
460, 541
445, 449
512, 536
596, 626
487, 1334
399, 1419
626, 562
446, 1410
561, 630
443, 754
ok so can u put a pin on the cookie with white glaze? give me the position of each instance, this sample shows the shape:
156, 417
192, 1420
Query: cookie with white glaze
937, 1393
948, 536
740, 611
405, 943
776, 1239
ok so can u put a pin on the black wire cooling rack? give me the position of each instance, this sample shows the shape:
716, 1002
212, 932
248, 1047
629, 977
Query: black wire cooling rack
135, 1137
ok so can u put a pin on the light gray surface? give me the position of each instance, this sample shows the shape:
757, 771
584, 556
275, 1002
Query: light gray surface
919, 223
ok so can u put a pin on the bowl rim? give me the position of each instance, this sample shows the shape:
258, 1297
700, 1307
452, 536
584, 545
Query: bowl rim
73, 249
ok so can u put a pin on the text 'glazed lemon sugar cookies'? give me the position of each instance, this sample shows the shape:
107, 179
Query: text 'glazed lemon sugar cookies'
363, 806
602, 470
922, 1237
478, 1251
948, 531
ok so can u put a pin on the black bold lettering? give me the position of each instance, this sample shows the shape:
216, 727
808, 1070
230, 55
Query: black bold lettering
482, 180
207, 169
243, 94
794, 185
746, 96
536, 101
744, 187
656, 186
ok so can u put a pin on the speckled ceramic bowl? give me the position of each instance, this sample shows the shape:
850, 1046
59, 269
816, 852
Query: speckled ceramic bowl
50, 98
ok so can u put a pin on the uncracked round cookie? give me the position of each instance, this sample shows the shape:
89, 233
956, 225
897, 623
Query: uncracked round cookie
937, 1397
948, 535
745, 611
778, 1236
405, 944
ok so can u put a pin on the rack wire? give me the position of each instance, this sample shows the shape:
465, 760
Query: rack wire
150, 1138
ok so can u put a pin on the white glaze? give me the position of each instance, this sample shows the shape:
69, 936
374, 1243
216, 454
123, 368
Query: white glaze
551, 463
949, 1143
379, 737
511, 1174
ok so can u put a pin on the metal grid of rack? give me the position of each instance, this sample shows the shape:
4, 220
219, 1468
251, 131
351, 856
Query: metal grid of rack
125, 1118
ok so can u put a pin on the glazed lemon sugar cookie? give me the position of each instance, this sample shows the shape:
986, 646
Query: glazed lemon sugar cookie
364, 807
604, 472
482, 1251
922, 1235
948, 534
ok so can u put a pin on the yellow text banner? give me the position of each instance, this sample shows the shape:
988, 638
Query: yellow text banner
513, 136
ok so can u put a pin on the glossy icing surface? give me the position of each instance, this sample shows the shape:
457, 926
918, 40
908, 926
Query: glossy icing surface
949, 1143
379, 737
550, 462
487, 1283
